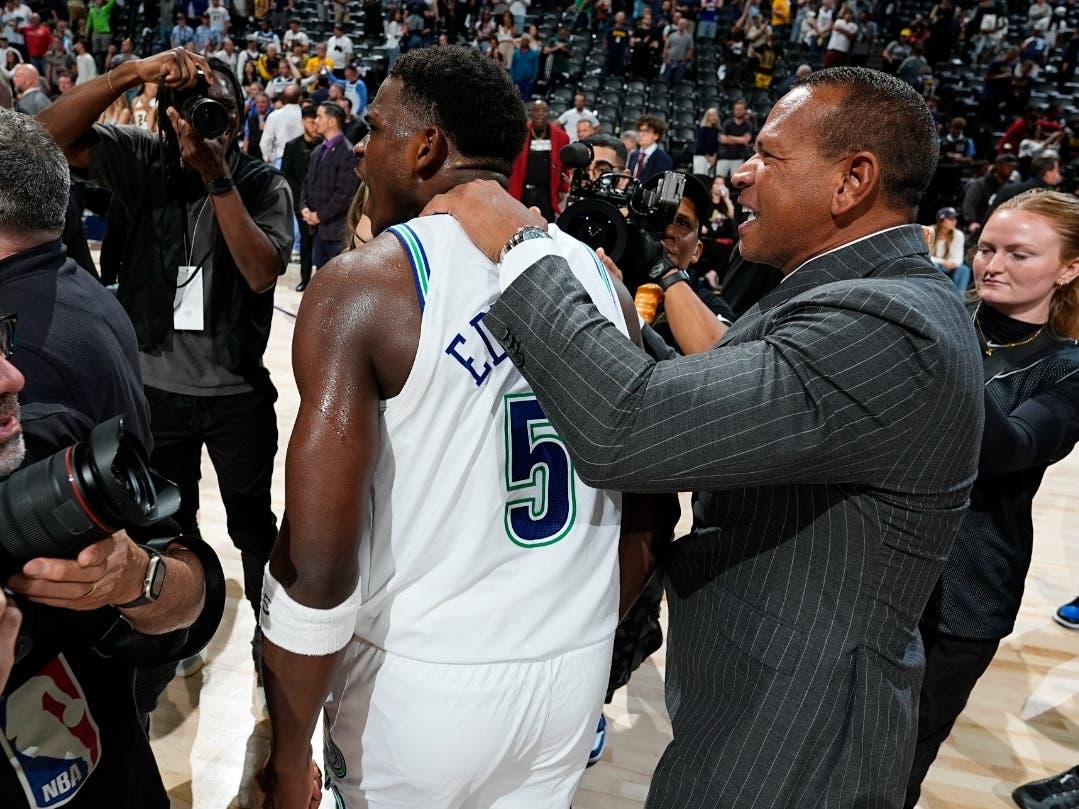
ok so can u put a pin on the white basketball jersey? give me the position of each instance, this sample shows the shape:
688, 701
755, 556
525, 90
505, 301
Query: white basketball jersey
481, 543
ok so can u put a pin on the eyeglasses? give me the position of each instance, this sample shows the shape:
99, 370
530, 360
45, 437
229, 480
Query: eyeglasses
7, 335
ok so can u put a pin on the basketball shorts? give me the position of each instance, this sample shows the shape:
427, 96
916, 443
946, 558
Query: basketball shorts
402, 733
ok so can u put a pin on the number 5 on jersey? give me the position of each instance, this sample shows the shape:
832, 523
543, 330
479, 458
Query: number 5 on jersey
541, 502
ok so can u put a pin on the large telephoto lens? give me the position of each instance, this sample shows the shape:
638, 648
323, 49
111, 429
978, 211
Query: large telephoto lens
56, 507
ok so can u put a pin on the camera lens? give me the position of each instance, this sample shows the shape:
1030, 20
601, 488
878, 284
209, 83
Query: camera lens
208, 117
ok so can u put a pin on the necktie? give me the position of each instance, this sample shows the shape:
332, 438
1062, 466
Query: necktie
639, 165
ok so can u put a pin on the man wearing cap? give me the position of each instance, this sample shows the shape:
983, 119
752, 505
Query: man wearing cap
976, 199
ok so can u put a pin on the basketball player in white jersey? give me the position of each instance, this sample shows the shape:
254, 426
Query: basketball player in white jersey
443, 582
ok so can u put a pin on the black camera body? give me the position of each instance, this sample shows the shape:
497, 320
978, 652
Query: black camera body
80, 495
594, 215
207, 116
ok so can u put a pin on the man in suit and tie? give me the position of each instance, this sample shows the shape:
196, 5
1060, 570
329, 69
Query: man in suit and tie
832, 436
329, 186
649, 159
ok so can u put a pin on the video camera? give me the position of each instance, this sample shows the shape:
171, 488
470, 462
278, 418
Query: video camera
62, 504
594, 215
207, 116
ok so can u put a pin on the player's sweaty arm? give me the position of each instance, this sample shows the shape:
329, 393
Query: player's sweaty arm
330, 461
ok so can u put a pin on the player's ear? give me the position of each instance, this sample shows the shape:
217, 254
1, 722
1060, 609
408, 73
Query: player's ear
431, 152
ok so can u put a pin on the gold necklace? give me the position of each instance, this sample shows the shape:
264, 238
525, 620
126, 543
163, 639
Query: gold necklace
990, 348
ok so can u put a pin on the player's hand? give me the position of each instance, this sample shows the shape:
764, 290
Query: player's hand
487, 212
10, 619
108, 572
207, 157
275, 792
176, 68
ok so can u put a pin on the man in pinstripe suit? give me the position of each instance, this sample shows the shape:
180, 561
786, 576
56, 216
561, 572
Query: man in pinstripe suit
832, 436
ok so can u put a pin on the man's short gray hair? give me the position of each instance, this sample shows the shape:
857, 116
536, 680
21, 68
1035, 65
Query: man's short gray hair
34, 180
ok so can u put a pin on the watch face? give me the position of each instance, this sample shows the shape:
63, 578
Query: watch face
157, 579
658, 270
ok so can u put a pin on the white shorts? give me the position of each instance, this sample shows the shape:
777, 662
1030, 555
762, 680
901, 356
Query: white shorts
402, 734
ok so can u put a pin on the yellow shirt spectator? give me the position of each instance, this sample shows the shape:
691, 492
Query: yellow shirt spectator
314, 64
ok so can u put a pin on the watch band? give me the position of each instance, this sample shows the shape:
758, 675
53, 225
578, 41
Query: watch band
221, 185
151, 585
522, 235
667, 281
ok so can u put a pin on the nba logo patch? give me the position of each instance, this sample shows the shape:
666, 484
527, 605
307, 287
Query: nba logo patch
49, 736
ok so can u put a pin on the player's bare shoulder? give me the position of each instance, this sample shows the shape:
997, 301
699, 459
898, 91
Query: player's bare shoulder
363, 303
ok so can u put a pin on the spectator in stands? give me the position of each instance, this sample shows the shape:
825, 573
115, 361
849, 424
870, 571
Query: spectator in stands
955, 146
585, 129
943, 32
144, 107
525, 67
785, 86
182, 33
294, 162
57, 60
1069, 59
219, 18
1020, 128
38, 37
895, 52
206, 39
646, 48
677, 53
126, 52
329, 185
64, 83
649, 159
295, 36
537, 177
707, 146
1044, 173
568, 119
734, 141
85, 64
841, 39
255, 124
865, 41
946, 248
339, 49
249, 54
980, 191
618, 36
319, 62
99, 29
282, 125
266, 36
26, 82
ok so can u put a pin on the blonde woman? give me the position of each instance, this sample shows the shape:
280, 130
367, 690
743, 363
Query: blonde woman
1027, 320
357, 225
946, 244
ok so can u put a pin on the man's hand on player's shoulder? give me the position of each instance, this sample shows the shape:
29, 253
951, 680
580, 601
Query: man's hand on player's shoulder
487, 212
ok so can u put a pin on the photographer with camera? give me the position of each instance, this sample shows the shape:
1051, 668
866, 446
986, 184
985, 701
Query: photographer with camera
210, 232
68, 722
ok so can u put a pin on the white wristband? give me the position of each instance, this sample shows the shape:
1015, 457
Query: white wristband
305, 630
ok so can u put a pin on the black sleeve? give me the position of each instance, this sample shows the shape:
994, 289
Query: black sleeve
1041, 430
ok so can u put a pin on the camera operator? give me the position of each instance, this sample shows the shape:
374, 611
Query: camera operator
211, 230
68, 721
692, 317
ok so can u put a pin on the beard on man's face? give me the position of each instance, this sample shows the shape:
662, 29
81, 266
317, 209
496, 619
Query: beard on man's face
12, 449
